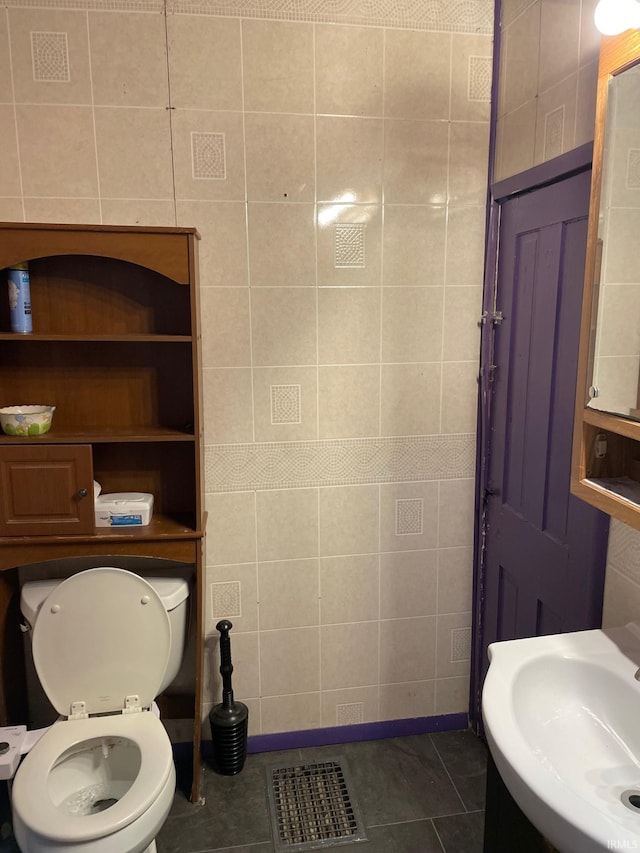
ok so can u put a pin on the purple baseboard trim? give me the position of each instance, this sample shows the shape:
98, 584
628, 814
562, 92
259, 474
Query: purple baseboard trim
362, 731
573, 161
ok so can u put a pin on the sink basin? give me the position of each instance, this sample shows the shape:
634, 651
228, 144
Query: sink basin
562, 718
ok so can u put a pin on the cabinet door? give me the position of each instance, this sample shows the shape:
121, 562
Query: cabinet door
46, 490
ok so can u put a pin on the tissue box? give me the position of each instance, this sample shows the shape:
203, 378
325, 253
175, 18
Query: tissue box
124, 509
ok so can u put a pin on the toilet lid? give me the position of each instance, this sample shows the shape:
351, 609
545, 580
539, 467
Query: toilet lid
101, 636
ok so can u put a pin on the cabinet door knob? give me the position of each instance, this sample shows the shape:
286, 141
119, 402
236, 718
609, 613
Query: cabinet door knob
82, 493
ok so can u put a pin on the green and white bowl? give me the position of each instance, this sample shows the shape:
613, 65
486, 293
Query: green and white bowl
26, 420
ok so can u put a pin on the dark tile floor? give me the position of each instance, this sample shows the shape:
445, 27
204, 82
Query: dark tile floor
417, 794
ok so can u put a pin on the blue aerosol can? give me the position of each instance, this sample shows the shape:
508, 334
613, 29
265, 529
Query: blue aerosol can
20, 299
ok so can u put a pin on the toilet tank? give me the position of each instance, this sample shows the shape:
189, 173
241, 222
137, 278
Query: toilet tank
173, 592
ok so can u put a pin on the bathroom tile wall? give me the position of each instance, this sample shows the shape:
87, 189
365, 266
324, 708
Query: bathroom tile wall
548, 76
334, 160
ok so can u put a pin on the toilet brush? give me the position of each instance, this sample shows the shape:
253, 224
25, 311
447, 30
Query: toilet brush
229, 720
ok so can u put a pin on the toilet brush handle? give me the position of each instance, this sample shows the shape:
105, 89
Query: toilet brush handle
226, 667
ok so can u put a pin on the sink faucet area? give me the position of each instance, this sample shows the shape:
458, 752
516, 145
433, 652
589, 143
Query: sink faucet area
562, 719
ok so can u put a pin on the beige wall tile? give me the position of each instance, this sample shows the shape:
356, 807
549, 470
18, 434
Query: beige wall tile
222, 251
454, 645
452, 695
462, 310
471, 77
349, 325
348, 70
349, 655
456, 513
287, 661
289, 594
56, 155
408, 516
11, 210
283, 325
277, 62
417, 74
208, 155
618, 316
232, 593
408, 584
280, 157
6, 88
134, 152
416, 162
520, 60
414, 243
202, 78
621, 600
349, 159
246, 675
465, 246
459, 396
410, 399
518, 134
139, 211
559, 40
349, 245
455, 579
282, 245
86, 210
290, 713
589, 35
624, 249
285, 403
407, 649
287, 524
349, 706
128, 59
349, 401
413, 699
468, 162
349, 520
412, 324
56, 71
349, 589
9, 163
231, 528
226, 334
228, 405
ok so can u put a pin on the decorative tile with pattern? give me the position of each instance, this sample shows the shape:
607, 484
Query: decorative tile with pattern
553, 132
208, 156
624, 550
154, 6
297, 464
50, 57
633, 169
349, 714
460, 644
451, 16
349, 245
226, 599
409, 515
285, 404
480, 72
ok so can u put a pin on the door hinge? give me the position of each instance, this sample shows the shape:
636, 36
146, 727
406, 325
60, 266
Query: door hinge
496, 317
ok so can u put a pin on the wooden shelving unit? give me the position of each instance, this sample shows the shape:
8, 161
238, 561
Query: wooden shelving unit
115, 347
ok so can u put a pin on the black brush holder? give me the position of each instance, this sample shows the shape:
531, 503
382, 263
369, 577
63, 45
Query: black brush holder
229, 720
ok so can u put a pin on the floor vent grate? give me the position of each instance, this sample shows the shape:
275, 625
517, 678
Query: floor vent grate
312, 806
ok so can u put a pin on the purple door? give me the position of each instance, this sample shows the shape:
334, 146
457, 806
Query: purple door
544, 553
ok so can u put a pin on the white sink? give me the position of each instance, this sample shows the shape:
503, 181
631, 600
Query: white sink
562, 718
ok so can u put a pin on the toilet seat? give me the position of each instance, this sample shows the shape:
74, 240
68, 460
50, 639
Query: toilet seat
31, 792
101, 643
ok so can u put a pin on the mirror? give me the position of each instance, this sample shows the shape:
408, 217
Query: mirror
613, 379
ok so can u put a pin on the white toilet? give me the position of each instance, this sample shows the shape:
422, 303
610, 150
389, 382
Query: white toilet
101, 779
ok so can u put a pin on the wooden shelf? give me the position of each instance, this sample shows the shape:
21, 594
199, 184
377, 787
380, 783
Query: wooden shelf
160, 527
101, 435
112, 339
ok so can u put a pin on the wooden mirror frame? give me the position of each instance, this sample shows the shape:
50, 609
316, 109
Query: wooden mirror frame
596, 432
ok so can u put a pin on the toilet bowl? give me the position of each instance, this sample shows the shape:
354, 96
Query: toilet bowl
101, 779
